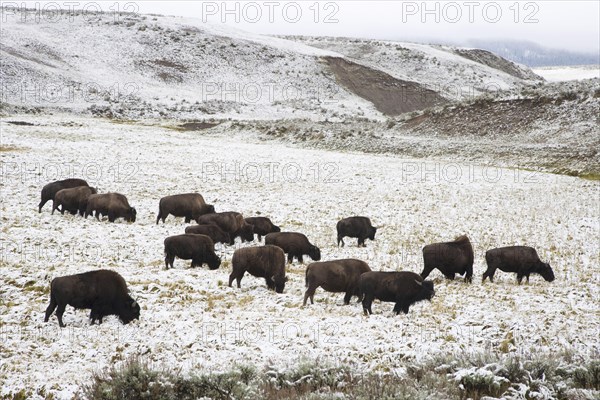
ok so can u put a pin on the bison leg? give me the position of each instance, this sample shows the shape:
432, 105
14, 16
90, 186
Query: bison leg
259, 238
366, 303
348, 297
469, 275
187, 219
310, 293
97, 215
270, 283
50, 309
340, 239
111, 216
426, 271
290, 258
158, 217
300, 258
527, 276
489, 273
361, 242
41, 205
169, 259
401, 307
450, 275
59, 314
54, 206
233, 276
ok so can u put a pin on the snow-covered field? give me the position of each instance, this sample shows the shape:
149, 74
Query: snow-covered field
191, 320
574, 73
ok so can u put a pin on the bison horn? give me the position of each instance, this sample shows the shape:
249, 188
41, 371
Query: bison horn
418, 283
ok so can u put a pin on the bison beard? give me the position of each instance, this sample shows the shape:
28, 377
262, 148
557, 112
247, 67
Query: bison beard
103, 291
403, 288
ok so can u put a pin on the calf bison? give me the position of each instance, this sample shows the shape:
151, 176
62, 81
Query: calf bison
114, 205
187, 205
74, 200
198, 248
212, 231
263, 262
50, 190
403, 288
231, 222
262, 226
450, 258
335, 276
356, 227
520, 259
294, 244
103, 291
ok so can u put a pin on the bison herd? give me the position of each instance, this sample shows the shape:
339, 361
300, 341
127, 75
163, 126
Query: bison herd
105, 292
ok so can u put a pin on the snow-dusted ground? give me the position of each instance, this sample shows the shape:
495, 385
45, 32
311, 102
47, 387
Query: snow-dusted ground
574, 73
190, 319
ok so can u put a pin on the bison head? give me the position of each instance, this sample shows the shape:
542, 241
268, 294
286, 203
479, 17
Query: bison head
276, 228
214, 262
93, 190
372, 233
130, 217
426, 292
314, 253
129, 311
546, 272
247, 232
280, 284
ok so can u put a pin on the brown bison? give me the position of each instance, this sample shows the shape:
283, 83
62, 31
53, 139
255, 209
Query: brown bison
403, 288
231, 222
263, 262
212, 231
356, 227
188, 205
262, 226
74, 200
50, 190
198, 248
335, 276
520, 259
114, 205
450, 258
103, 291
294, 244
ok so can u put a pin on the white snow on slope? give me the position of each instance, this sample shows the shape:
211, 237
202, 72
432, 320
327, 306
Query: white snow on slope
190, 319
575, 73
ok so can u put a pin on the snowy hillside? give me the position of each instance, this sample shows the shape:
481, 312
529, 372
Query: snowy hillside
456, 73
147, 66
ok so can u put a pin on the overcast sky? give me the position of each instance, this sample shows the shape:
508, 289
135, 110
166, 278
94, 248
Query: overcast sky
573, 25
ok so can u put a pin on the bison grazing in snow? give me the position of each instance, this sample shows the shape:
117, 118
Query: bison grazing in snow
114, 205
103, 291
187, 205
335, 276
403, 288
356, 227
294, 244
212, 231
231, 222
450, 258
262, 226
520, 259
74, 200
50, 190
263, 262
198, 248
